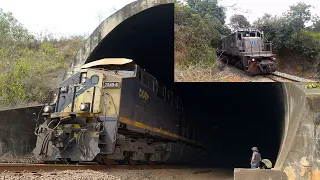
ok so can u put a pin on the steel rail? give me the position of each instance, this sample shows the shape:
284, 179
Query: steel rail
289, 77
34, 168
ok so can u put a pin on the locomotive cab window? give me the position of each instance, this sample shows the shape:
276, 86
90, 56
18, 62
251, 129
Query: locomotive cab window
258, 34
252, 34
94, 79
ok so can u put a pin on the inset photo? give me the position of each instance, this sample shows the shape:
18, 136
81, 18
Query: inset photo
247, 41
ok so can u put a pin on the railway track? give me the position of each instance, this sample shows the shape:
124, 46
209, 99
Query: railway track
283, 77
36, 168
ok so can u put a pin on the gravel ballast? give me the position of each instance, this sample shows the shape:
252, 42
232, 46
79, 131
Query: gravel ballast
117, 174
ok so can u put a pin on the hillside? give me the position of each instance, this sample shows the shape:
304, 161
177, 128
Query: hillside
200, 24
31, 66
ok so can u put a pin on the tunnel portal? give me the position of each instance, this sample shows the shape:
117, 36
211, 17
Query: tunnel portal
229, 117
147, 38
233, 117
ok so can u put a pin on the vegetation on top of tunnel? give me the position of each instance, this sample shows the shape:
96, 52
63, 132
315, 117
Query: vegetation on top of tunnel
311, 85
199, 25
198, 28
27, 59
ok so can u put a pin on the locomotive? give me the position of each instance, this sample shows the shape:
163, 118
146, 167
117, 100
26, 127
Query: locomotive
248, 50
113, 111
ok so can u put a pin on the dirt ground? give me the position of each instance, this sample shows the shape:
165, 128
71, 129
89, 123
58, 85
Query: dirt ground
116, 174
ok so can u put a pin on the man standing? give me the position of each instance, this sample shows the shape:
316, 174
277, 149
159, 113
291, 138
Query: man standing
256, 158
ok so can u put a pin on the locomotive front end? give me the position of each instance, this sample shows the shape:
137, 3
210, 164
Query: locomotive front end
81, 125
258, 56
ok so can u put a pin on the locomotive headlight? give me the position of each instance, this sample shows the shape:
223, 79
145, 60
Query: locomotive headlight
83, 77
84, 106
252, 59
64, 89
47, 109
273, 59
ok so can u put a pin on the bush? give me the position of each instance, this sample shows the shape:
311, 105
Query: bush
25, 61
196, 35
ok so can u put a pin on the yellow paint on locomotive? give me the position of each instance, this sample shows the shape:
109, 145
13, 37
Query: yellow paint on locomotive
106, 100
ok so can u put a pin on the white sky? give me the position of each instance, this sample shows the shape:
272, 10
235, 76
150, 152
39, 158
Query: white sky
71, 17
258, 7
66, 17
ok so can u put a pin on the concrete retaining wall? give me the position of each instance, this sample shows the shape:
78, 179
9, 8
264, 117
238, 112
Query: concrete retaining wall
17, 130
299, 152
259, 174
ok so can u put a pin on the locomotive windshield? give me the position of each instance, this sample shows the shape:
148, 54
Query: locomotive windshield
129, 69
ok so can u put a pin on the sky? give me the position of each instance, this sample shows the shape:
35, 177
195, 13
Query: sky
80, 17
67, 17
259, 7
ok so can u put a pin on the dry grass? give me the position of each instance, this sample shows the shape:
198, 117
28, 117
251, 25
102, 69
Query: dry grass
199, 73
294, 66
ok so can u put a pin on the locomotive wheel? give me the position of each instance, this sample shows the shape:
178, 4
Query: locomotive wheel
151, 162
101, 160
131, 162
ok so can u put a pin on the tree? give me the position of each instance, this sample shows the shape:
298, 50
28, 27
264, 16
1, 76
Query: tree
315, 24
26, 61
198, 29
239, 21
298, 15
208, 8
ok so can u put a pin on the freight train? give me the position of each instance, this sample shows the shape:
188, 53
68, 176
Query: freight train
248, 50
113, 111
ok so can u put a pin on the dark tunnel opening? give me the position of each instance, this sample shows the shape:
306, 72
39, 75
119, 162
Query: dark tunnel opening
229, 117
147, 38
233, 117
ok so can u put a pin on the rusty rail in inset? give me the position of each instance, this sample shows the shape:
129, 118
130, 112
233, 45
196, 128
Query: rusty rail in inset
289, 77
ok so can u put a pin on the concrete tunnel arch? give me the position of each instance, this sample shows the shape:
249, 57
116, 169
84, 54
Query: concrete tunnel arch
142, 31
123, 34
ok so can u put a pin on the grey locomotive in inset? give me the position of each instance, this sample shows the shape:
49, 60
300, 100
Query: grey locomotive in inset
248, 49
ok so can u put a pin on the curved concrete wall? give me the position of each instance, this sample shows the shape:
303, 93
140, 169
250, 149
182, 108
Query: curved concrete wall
107, 26
299, 151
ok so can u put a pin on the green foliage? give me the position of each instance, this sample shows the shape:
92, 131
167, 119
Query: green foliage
198, 28
239, 21
25, 61
290, 36
208, 9
311, 85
